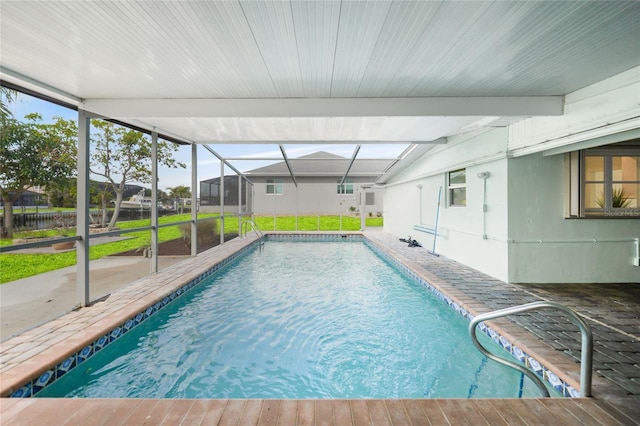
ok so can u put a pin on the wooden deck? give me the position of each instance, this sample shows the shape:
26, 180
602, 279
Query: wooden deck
566, 411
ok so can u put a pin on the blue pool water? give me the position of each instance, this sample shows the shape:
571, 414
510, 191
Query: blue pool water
298, 320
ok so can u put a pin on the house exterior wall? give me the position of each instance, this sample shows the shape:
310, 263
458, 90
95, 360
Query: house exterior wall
525, 196
572, 250
547, 248
461, 229
313, 195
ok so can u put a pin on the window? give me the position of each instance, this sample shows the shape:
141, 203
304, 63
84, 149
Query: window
369, 198
457, 184
604, 182
274, 186
611, 184
346, 188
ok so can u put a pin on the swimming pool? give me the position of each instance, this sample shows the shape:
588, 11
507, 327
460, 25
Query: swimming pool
297, 320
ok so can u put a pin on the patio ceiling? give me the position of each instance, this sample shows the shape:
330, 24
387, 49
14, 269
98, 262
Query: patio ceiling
315, 71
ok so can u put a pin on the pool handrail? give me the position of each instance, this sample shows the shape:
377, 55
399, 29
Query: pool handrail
586, 355
255, 228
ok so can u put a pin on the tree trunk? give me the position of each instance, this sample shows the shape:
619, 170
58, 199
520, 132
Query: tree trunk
8, 218
116, 211
103, 203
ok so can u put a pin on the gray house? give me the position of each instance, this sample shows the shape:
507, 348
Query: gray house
318, 183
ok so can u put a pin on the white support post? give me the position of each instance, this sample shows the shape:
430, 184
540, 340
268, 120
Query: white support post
221, 202
154, 202
363, 205
194, 200
240, 205
82, 209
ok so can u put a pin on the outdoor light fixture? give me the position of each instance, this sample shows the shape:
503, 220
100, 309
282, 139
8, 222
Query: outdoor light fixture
484, 175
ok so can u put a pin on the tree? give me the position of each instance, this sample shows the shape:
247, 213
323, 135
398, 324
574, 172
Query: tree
122, 155
180, 191
33, 154
101, 195
7, 97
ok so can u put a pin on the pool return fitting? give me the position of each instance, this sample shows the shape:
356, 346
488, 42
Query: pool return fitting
586, 351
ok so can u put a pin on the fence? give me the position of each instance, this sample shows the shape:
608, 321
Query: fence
44, 220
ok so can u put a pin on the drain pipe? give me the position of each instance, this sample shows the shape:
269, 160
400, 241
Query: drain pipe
484, 176
420, 205
435, 234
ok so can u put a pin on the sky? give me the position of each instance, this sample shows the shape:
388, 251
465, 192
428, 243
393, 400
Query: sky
208, 165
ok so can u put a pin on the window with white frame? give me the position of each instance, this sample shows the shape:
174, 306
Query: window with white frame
604, 182
346, 187
274, 186
369, 198
457, 185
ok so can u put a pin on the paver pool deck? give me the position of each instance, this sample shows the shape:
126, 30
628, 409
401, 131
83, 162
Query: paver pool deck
612, 311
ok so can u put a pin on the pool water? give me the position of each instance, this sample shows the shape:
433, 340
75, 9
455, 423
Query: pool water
298, 320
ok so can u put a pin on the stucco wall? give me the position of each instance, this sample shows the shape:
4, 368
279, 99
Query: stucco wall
545, 247
536, 197
525, 195
461, 229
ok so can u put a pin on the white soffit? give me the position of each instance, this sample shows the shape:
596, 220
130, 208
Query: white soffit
607, 139
184, 67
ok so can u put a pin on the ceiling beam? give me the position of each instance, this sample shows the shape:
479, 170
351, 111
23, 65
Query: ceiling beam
246, 158
328, 107
439, 141
38, 89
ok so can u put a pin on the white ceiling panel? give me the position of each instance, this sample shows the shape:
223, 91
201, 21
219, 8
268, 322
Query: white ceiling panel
272, 27
316, 27
82, 51
360, 30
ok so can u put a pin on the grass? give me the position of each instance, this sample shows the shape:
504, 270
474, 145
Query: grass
14, 266
314, 223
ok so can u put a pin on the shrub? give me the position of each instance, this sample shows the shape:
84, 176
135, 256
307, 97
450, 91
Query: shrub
207, 231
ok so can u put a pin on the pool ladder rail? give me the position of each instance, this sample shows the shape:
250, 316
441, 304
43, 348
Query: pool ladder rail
255, 228
586, 355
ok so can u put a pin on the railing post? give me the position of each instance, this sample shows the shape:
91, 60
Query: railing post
586, 356
82, 209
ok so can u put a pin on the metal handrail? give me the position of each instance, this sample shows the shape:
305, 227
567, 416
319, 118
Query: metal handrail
586, 355
255, 228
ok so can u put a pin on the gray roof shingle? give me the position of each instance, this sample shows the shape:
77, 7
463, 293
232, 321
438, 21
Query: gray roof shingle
325, 164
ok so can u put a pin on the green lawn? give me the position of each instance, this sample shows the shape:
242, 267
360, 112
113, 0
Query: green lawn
14, 266
313, 223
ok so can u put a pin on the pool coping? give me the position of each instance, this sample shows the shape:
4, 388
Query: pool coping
557, 370
32, 360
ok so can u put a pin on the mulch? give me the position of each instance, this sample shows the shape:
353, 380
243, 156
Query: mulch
178, 247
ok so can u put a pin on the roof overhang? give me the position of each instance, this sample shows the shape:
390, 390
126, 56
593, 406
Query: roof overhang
284, 72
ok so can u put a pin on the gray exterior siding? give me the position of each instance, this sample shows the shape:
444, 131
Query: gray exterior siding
317, 176
314, 196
